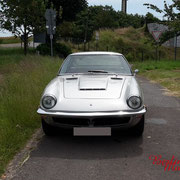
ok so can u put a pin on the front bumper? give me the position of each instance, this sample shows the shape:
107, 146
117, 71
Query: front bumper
100, 119
91, 114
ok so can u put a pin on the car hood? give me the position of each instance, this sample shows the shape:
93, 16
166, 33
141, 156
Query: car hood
98, 93
93, 87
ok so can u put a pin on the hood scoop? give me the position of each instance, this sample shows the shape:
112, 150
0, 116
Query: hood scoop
72, 78
92, 84
93, 87
116, 78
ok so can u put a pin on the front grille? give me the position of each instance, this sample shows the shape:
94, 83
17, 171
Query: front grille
71, 121
97, 122
111, 121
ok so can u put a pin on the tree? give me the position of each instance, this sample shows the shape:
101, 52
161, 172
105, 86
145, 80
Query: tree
67, 9
150, 18
171, 13
22, 17
104, 17
94, 18
98, 17
126, 20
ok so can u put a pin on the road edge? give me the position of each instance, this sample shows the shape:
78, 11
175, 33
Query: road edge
21, 157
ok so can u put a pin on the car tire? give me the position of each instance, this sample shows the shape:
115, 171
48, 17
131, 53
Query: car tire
138, 129
47, 129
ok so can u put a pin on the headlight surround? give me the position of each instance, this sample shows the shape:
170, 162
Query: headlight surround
48, 101
134, 102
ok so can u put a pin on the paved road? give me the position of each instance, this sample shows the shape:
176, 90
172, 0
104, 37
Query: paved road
18, 45
120, 157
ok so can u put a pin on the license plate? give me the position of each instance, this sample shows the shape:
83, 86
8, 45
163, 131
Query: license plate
92, 131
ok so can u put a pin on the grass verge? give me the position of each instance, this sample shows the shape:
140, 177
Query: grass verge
21, 86
9, 40
166, 73
12, 55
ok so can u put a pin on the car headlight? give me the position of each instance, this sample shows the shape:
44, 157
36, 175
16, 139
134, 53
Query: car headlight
134, 102
48, 102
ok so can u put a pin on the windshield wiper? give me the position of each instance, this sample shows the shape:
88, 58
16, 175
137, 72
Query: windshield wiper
98, 71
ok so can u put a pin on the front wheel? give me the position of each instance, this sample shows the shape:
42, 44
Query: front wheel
48, 129
138, 129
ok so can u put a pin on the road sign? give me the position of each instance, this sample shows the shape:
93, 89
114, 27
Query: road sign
156, 35
50, 16
51, 30
157, 30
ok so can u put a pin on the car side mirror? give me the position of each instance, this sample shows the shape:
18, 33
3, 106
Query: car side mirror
136, 71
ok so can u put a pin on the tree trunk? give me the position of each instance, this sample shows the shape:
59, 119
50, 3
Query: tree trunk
25, 46
25, 41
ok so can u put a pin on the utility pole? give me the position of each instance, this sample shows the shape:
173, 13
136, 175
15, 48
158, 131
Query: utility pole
175, 47
124, 6
86, 30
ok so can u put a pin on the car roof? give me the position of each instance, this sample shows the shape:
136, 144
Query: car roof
96, 53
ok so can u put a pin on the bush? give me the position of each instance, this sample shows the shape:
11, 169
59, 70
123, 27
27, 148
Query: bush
130, 57
59, 49
62, 49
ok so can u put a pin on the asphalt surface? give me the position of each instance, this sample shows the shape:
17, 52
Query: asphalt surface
18, 45
119, 157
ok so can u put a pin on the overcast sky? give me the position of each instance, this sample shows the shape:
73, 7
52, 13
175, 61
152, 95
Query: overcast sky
134, 6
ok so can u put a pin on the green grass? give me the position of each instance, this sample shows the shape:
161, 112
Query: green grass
12, 55
21, 86
167, 73
9, 40
12, 40
155, 65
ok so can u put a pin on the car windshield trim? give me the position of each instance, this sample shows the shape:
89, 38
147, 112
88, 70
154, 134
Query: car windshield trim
74, 65
109, 73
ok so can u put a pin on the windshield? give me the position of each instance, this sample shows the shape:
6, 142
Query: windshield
96, 64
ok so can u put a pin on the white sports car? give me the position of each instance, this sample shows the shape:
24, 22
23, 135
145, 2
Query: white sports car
93, 93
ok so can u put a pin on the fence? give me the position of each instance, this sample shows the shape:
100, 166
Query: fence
132, 53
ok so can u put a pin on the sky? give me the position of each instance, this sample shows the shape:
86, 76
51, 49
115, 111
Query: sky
134, 6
